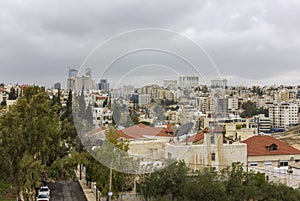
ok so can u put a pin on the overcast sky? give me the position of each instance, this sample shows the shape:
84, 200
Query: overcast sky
253, 42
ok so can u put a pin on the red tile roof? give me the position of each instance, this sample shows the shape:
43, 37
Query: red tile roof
195, 138
96, 131
141, 131
258, 146
101, 98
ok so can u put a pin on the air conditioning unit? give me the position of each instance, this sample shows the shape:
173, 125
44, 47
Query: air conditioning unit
292, 158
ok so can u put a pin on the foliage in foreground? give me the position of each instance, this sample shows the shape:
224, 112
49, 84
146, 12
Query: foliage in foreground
232, 184
112, 153
32, 142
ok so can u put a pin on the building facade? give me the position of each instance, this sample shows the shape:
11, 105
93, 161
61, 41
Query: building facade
283, 115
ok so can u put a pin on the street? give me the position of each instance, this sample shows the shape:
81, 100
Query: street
66, 191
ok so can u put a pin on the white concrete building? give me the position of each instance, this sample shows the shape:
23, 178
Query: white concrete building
144, 99
188, 81
102, 117
79, 83
263, 122
276, 159
203, 103
212, 152
283, 115
170, 84
233, 104
218, 83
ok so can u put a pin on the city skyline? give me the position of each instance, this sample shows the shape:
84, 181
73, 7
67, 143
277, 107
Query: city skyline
249, 42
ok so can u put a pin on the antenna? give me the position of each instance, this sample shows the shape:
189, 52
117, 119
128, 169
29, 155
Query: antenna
185, 129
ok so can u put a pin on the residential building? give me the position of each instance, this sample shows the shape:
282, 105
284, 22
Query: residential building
188, 81
283, 115
208, 150
233, 104
203, 103
102, 117
203, 149
272, 157
144, 99
170, 84
263, 122
219, 83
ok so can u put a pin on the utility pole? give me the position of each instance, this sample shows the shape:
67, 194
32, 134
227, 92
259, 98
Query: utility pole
110, 182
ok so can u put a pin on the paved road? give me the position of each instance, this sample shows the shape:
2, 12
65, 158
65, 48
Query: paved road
66, 191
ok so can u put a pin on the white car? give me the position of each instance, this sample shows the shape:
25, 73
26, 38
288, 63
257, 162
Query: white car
42, 197
44, 191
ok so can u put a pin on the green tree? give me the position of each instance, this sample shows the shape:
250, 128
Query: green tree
263, 111
82, 106
249, 109
3, 103
112, 154
168, 182
241, 185
12, 94
31, 141
89, 114
204, 185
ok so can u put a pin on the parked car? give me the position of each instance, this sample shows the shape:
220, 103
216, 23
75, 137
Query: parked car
42, 197
44, 191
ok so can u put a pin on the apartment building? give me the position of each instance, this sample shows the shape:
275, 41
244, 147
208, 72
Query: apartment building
283, 115
274, 158
203, 103
144, 99
170, 84
233, 104
188, 81
263, 122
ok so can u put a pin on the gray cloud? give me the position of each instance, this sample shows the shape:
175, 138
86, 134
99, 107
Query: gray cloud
251, 42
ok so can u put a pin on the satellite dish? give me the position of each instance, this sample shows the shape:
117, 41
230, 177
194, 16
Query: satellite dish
185, 129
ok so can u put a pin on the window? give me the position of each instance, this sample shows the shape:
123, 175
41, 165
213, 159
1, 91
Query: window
272, 147
283, 163
212, 139
213, 156
253, 164
268, 163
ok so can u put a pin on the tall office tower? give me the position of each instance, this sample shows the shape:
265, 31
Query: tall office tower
72, 72
88, 72
57, 85
103, 85
218, 83
77, 83
188, 81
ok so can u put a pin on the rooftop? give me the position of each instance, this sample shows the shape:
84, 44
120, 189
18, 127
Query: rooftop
141, 131
267, 145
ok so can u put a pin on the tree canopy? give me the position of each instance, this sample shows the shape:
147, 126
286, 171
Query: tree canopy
32, 142
232, 184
